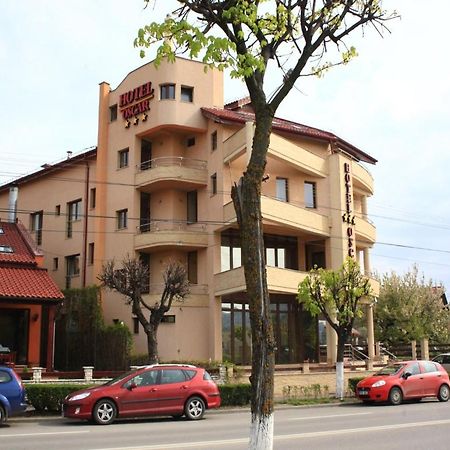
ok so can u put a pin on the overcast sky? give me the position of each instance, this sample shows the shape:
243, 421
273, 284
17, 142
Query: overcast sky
393, 102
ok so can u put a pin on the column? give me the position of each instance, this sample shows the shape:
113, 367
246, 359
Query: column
370, 332
50, 338
366, 261
331, 345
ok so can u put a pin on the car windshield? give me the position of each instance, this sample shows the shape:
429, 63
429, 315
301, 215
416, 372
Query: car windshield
391, 369
119, 378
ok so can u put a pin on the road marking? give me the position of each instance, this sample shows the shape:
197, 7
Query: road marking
43, 434
213, 444
330, 415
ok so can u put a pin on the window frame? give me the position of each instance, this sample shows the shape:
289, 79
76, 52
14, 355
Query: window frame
187, 94
122, 219
313, 191
213, 184
123, 158
214, 140
281, 190
165, 91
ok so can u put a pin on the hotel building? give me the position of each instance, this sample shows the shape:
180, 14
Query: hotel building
158, 186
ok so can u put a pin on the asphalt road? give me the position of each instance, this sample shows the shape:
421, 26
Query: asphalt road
421, 426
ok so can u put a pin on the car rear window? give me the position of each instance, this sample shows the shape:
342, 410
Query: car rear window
172, 376
5, 377
430, 366
190, 374
207, 376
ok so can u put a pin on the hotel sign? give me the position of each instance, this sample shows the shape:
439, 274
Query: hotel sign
136, 102
347, 217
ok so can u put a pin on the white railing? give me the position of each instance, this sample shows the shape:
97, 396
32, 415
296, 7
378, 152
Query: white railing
172, 161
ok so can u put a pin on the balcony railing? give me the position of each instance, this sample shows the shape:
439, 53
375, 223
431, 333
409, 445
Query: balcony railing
170, 225
172, 161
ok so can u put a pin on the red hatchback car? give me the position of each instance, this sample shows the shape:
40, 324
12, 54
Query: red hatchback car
162, 390
405, 380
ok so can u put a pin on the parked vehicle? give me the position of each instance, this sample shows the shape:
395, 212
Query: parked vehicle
12, 394
405, 380
444, 360
163, 390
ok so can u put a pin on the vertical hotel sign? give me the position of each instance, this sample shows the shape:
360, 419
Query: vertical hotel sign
135, 104
347, 217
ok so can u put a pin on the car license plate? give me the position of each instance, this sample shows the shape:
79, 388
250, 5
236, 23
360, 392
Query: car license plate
363, 392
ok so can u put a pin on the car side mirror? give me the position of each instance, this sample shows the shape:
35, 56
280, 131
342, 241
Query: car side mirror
131, 386
406, 375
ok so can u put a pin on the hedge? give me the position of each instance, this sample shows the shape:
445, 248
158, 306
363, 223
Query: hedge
48, 397
352, 382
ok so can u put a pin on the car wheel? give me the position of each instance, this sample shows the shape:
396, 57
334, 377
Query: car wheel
395, 396
444, 393
3, 415
105, 412
194, 408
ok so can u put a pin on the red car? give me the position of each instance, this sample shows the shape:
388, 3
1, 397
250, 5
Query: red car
162, 390
405, 380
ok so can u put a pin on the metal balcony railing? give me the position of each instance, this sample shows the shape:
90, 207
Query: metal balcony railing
171, 161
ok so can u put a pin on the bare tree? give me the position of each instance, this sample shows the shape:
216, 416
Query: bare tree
285, 37
131, 280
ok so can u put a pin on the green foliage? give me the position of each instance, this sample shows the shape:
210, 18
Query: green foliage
235, 394
352, 382
49, 397
410, 308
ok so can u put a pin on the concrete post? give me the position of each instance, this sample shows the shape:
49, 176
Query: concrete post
370, 333
88, 373
37, 374
331, 345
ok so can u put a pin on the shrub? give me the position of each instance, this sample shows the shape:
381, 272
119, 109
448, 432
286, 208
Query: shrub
312, 391
235, 394
49, 397
352, 382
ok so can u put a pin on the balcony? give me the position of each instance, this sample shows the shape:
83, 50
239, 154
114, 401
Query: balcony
281, 281
362, 178
169, 234
280, 215
172, 172
198, 295
364, 229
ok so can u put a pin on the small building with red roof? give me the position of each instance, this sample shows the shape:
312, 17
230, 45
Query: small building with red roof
28, 300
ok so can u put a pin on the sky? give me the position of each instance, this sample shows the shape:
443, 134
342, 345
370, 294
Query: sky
392, 102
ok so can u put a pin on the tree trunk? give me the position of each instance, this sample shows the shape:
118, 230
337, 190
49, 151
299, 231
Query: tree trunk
340, 389
247, 202
152, 341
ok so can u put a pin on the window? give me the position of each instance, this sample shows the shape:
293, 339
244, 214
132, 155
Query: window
167, 91
72, 268
123, 158
413, 369
429, 367
192, 267
282, 189
6, 249
310, 194
57, 210
135, 325
168, 318
113, 113
214, 184
92, 198
230, 251
187, 94
73, 215
172, 376
55, 263
190, 142
91, 253
122, 219
192, 207
214, 140
37, 219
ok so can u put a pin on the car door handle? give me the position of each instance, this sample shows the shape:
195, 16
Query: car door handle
153, 390
183, 387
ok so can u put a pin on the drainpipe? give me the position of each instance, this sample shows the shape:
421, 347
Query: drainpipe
85, 225
12, 206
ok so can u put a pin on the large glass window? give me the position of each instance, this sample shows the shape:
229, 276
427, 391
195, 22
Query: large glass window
37, 220
192, 267
230, 251
73, 215
72, 269
192, 206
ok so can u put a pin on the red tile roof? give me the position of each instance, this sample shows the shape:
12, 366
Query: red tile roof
30, 283
12, 237
245, 115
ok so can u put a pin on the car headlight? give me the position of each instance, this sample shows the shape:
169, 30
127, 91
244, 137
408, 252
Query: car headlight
379, 383
79, 396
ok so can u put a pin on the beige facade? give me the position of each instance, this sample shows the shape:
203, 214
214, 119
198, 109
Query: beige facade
158, 186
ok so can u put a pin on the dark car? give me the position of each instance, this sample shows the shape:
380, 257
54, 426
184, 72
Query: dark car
405, 380
12, 394
162, 390
444, 360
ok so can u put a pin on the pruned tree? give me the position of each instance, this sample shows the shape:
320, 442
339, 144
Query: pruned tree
290, 39
410, 308
336, 294
131, 280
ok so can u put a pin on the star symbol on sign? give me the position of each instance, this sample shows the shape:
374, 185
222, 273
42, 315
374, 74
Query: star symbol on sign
144, 117
135, 120
127, 123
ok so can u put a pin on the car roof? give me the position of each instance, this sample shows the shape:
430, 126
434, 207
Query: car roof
151, 366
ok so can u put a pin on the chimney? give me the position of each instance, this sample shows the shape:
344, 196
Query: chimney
69, 154
13, 193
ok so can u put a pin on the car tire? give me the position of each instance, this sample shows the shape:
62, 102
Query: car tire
194, 408
3, 416
395, 396
444, 393
105, 411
